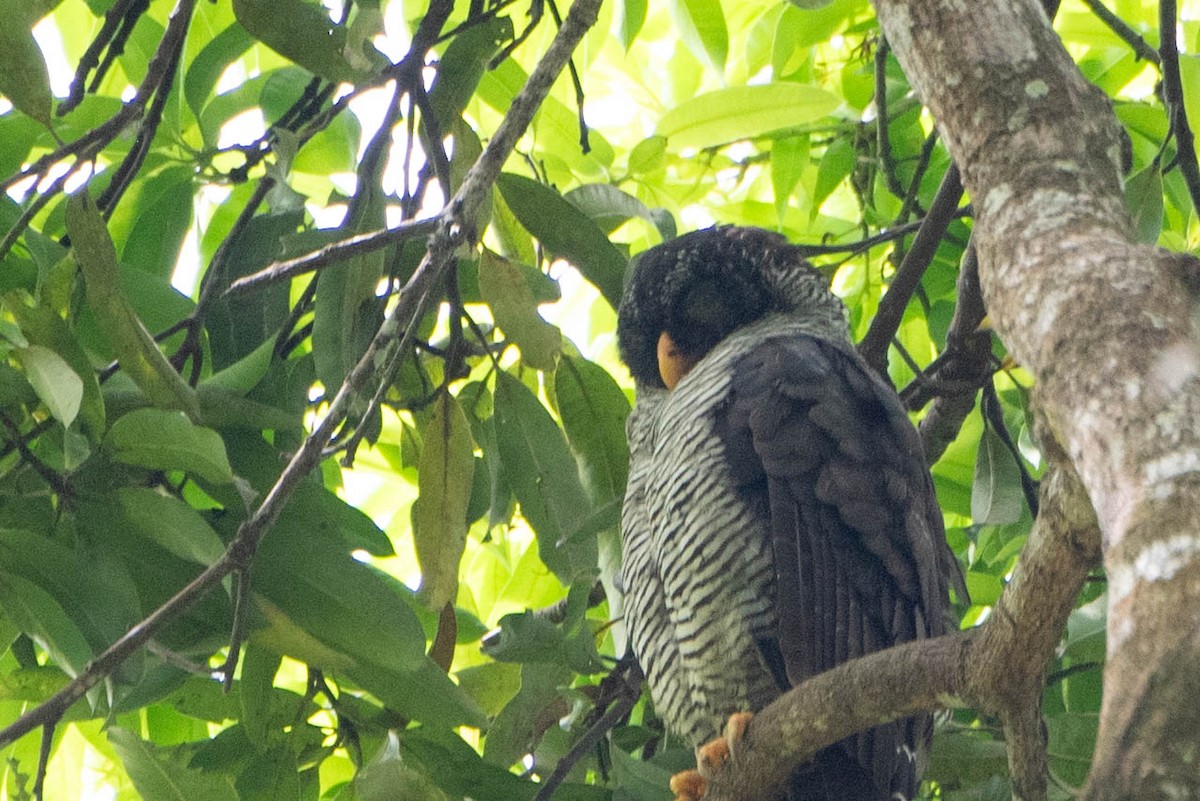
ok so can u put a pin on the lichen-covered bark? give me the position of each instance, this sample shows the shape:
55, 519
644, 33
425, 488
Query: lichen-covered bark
1110, 329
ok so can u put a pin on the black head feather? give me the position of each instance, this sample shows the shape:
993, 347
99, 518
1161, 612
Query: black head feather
705, 285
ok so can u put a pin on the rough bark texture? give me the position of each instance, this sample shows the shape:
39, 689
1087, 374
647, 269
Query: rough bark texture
1111, 331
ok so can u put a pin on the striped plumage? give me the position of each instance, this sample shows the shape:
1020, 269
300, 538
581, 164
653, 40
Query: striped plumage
779, 518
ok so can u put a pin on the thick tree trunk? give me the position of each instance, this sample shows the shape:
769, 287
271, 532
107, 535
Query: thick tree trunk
1110, 329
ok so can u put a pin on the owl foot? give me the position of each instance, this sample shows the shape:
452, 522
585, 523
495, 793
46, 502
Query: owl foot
690, 785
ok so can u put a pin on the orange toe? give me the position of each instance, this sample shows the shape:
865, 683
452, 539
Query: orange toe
712, 754
688, 786
735, 728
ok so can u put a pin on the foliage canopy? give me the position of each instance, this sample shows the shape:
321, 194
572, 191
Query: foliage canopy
474, 479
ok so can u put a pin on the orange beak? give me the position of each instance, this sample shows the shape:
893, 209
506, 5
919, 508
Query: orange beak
673, 365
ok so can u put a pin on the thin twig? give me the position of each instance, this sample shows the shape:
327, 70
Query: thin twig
883, 139
908, 275
56, 482
91, 56
1141, 48
994, 416
338, 251
1185, 141
866, 243
145, 137
629, 692
39, 781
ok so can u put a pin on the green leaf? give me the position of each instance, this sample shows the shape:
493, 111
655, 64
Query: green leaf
98, 599
610, 207
983, 588
159, 222
24, 79
503, 286
206, 68
566, 232
743, 112
1071, 742
593, 410
424, 693
789, 157
446, 472
1189, 76
515, 731
647, 155
543, 476
701, 25
345, 315
136, 350
308, 574
814, 23
1086, 631
836, 163
171, 523
1144, 200
462, 66
256, 691
238, 324
458, 769
300, 32
996, 497
43, 327
491, 685
631, 16
40, 616
159, 774
162, 440
59, 387
386, 777
642, 780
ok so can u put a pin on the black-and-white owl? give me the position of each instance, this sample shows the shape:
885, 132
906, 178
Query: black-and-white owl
779, 518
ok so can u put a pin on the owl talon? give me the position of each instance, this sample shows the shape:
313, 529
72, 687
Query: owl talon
688, 786
713, 754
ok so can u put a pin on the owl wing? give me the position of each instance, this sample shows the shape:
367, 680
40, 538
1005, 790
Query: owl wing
828, 454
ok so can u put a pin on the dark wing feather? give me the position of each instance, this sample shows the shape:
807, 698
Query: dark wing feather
861, 560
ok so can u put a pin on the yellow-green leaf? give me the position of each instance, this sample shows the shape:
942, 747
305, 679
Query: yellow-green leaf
446, 471
42, 326
743, 112
54, 381
701, 25
24, 79
505, 289
301, 32
136, 350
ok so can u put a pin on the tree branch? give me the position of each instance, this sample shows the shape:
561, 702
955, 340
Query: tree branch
1185, 141
942, 212
1106, 327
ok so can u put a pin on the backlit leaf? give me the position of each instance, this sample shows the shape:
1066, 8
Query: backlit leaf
566, 232
701, 24
24, 79
743, 112
59, 387
440, 513
543, 476
504, 287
